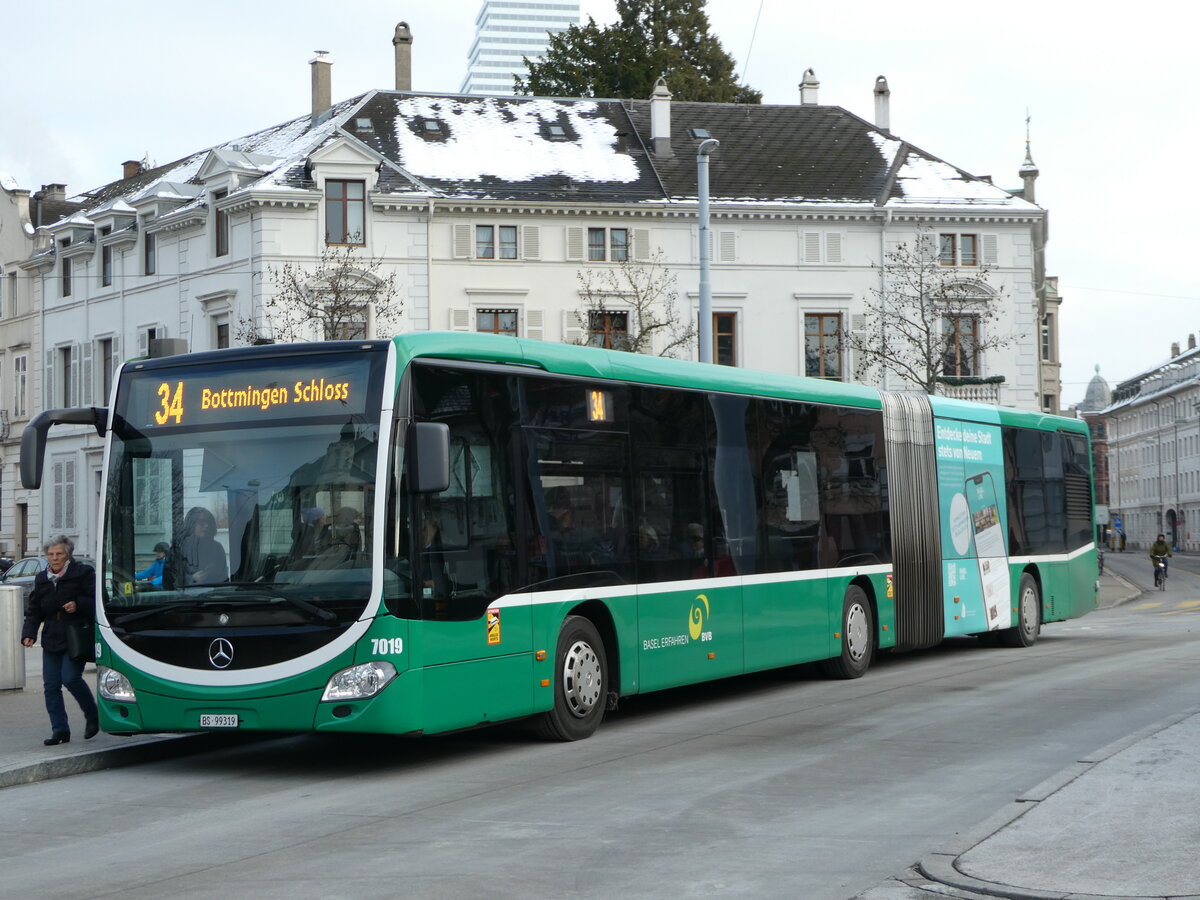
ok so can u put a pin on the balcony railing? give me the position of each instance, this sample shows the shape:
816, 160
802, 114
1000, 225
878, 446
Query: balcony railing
980, 390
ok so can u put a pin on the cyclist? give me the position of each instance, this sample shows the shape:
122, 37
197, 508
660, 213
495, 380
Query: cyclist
1160, 549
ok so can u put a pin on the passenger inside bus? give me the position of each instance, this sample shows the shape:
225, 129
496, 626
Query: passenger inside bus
204, 559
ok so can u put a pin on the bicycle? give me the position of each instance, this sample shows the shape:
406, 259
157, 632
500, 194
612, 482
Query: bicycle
1160, 572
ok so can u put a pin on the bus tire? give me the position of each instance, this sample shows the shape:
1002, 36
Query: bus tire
1029, 616
580, 683
858, 637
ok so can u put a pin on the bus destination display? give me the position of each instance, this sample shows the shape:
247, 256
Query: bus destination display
205, 397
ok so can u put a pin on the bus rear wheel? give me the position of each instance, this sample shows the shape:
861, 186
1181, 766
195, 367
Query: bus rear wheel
1029, 616
580, 683
858, 637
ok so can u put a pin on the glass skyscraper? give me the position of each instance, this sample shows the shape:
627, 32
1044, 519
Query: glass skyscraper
505, 32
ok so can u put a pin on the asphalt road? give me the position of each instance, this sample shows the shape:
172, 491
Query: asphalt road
778, 785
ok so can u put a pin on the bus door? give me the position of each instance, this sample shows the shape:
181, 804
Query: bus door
693, 516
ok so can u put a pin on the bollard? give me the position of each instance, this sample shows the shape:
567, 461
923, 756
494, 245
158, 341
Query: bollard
12, 654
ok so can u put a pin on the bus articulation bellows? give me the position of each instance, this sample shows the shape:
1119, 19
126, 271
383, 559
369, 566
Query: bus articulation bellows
447, 530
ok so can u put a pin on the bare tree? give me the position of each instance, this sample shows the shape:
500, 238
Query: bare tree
336, 298
932, 319
632, 305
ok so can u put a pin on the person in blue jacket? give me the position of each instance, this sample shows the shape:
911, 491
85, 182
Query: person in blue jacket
153, 573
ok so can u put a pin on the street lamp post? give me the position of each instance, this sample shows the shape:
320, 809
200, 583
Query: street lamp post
702, 152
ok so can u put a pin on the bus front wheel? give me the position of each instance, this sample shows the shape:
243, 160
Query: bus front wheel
858, 637
580, 683
1029, 616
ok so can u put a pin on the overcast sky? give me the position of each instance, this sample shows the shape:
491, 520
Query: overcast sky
85, 86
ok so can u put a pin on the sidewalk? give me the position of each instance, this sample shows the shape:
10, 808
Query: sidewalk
24, 724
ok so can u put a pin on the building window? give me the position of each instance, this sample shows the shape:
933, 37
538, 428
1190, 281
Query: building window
66, 277
495, 241
958, 249
605, 244
1047, 343
149, 252
961, 348
823, 345
106, 267
20, 385
221, 223
67, 372
724, 329
968, 250
496, 321
345, 212
222, 335
106, 368
609, 330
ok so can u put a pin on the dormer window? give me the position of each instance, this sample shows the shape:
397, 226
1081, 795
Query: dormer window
364, 124
221, 225
345, 212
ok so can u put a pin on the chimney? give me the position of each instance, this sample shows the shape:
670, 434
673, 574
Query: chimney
660, 118
1174, 349
1191, 342
130, 167
808, 88
322, 89
54, 191
883, 120
402, 41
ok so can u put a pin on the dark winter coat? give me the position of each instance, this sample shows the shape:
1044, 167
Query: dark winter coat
47, 598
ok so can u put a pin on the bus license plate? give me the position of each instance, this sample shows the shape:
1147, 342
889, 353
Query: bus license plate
218, 720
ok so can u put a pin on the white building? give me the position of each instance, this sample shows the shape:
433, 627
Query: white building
507, 31
487, 209
1153, 433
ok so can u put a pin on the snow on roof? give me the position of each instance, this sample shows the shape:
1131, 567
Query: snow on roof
506, 140
922, 178
8, 182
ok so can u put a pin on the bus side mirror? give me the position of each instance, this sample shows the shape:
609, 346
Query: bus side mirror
427, 449
33, 438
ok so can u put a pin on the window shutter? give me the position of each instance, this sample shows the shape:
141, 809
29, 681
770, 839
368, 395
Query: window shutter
641, 243
727, 244
531, 243
460, 319
116, 358
572, 327
143, 342
535, 324
74, 376
56, 516
49, 400
574, 242
462, 240
69, 495
833, 247
990, 255
812, 247
927, 248
858, 326
86, 397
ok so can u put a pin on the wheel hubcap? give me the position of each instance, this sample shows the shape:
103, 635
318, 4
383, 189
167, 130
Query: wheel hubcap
582, 682
1029, 612
856, 632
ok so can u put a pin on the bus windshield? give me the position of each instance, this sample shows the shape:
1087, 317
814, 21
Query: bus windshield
252, 500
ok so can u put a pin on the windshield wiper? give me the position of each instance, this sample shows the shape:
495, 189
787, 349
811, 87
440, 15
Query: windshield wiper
317, 612
155, 610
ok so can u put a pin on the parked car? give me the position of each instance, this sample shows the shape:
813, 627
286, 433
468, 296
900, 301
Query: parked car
22, 572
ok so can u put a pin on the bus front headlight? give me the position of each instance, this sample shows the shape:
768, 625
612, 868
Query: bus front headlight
359, 682
114, 686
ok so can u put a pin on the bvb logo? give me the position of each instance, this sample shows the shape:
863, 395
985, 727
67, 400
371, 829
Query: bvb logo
697, 617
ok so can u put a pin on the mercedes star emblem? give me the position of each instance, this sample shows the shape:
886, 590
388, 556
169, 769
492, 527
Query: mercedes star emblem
220, 653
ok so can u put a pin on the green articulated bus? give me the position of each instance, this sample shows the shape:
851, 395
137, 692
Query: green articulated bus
442, 531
